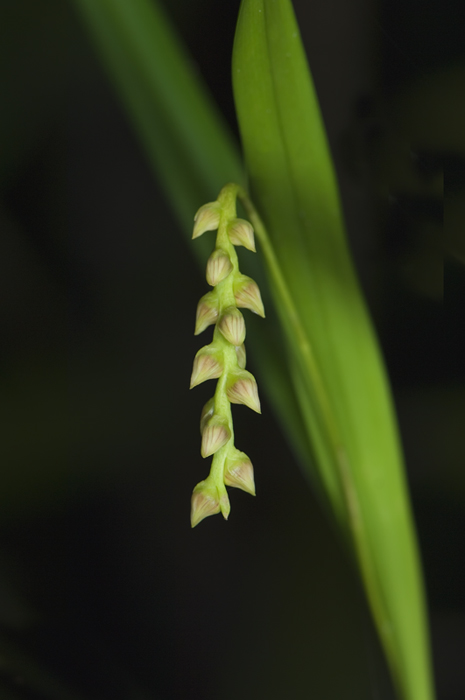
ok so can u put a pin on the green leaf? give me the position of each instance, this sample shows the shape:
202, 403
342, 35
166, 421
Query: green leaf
190, 149
334, 357
183, 134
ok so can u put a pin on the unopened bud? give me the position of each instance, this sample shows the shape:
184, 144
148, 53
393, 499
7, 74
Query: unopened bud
206, 219
207, 312
241, 233
241, 355
207, 365
247, 295
218, 267
243, 389
239, 472
232, 326
225, 506
207, 412
215, 434
204, 502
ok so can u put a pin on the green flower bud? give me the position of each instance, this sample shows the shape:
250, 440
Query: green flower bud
247, 295
207, 365
242, 388
207, 219
240, 232
207, 412
238, 472
215, 434
207, 312
218, 267
232, 326
204, 502
241, 355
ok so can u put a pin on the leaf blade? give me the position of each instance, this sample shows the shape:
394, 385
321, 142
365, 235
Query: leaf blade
293, 184
192, 159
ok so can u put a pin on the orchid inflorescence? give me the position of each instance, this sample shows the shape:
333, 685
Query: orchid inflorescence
224, 358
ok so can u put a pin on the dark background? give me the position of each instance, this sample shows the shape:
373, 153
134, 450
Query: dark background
105, 592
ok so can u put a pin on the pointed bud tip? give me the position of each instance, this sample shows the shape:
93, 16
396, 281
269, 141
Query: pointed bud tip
225, 506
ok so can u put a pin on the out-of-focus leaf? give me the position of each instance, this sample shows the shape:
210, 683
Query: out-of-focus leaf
338, 372
189, 147
183, 134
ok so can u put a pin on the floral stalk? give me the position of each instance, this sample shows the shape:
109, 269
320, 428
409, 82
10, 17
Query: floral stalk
224, 358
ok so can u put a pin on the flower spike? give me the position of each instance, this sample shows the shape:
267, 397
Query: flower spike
225, 358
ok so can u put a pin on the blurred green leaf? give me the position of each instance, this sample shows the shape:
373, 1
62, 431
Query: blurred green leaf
183, 134
190, 149
338, 372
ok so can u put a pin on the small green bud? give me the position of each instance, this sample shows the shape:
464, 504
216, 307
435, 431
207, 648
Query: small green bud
207, 312
207, 412
247, 295
239, 472
218, 267
241, 355
242, 388
240, 232
215, 434
207, 219
204, 502
232, 326
225, 506
207, 365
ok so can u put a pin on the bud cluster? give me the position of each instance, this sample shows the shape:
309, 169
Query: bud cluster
224, 358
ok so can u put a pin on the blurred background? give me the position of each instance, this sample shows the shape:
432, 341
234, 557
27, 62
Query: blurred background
105, 592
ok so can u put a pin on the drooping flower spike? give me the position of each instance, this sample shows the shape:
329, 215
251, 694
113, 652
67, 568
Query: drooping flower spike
224, 358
